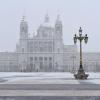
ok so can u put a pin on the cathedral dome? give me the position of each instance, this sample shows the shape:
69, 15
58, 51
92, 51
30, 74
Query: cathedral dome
46, 22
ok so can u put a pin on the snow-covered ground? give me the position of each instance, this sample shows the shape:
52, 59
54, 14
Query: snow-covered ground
46, 78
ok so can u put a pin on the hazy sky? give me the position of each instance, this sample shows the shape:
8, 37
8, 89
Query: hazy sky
73, 13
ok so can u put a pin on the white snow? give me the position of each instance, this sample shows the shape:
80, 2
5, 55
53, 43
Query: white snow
47, 78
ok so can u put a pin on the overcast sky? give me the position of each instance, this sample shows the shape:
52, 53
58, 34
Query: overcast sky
73, 13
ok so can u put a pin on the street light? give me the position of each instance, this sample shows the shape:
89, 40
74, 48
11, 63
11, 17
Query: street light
81, 73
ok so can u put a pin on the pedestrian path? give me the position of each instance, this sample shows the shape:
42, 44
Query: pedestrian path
48, 84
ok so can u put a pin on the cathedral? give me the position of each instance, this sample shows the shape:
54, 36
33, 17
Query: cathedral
45, 51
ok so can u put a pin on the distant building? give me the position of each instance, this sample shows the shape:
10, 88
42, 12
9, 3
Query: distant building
45, 51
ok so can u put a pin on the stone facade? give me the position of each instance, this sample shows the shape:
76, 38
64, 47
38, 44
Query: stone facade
45, 51
91, 61
8, 61
42, 52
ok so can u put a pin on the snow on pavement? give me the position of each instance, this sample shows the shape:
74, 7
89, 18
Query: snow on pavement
46, 78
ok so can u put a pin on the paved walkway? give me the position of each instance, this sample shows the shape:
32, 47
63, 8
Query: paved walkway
58, 93
48, 84
49, 87
46, 78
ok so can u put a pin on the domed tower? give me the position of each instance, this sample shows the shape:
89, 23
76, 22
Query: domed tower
46, 29
46, 19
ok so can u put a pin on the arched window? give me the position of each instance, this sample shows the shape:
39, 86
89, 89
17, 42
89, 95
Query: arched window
22, 49
31, 58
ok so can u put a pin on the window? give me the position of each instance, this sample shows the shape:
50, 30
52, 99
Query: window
41, 65
40, 58
22, 49
50, 58
35, 58
31, 65
58, 50
45, 58
31, 58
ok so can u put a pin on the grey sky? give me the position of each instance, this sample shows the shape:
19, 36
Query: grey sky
74, 13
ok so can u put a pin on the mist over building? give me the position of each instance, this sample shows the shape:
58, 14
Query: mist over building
45, 51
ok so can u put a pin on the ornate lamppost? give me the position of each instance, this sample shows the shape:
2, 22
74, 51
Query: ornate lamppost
81, 73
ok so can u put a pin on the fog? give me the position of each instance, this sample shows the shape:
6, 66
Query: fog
73, 13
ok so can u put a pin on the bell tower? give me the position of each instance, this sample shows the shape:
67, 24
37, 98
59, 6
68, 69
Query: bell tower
23, 35
23, 42
58, 27
23, 29
58, 44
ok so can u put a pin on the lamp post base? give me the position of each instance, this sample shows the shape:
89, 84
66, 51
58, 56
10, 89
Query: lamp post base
81, 75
